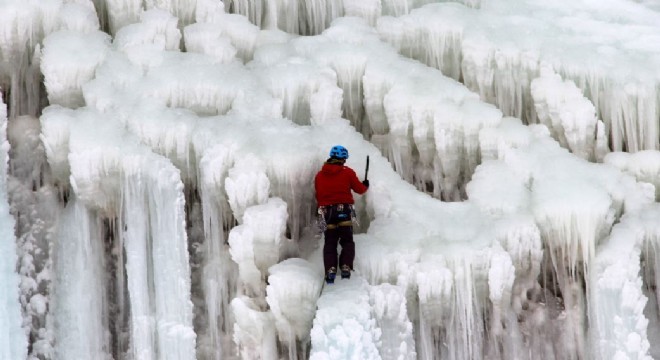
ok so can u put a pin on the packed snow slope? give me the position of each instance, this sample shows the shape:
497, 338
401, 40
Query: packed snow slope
157, 200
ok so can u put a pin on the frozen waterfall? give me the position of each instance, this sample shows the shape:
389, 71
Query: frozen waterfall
158, 157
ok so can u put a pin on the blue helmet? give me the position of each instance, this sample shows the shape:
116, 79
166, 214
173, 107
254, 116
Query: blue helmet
339, 152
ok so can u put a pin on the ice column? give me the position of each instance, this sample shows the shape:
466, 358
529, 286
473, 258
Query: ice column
219, 275
255, 245
122, 179
389, 306
79, 307
254, 330
246, 185
13, 343
292, 293
173, 307
618, 322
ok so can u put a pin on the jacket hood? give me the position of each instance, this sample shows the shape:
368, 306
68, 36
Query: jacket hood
331, 169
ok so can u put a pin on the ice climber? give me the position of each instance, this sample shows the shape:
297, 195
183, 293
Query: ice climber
333, 186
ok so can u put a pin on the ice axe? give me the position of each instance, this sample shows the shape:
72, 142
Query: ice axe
366, 170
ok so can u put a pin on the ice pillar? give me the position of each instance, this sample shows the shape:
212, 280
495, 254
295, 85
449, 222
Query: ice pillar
13, 344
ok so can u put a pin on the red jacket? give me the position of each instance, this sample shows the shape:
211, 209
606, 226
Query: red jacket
334, 184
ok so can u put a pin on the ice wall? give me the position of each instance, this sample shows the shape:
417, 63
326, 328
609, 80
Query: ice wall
498, 50
312, 17
574, 215
14, 343
239, 134
426, 123
23, 26
144, 193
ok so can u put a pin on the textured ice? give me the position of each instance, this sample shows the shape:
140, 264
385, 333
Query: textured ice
254, 330
344, 326
121, 179
208, 39
14, 342
388, 303
293, 288
78, 260
570, 116
643, 165
201, 154
500, 48
157, 28
69, 61
617, 305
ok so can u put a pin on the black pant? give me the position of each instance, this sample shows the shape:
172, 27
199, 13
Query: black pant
339, 231
344, 236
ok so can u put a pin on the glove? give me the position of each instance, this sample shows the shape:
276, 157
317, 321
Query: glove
365, 183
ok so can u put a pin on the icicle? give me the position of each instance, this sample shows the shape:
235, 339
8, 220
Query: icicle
219, 274
79, 307
122, 13
252, 9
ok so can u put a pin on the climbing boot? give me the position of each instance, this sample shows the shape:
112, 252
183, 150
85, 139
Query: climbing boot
330, 276
345, 272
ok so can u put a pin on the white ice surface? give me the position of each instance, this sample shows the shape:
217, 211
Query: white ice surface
500, 48
344, 326
465, 268
79, 294
118, 177
13, 342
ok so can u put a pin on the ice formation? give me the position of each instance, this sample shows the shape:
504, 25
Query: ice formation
500, 48
174, 216
14, 341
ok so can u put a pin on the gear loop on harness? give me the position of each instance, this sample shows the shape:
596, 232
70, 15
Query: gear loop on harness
333, 216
